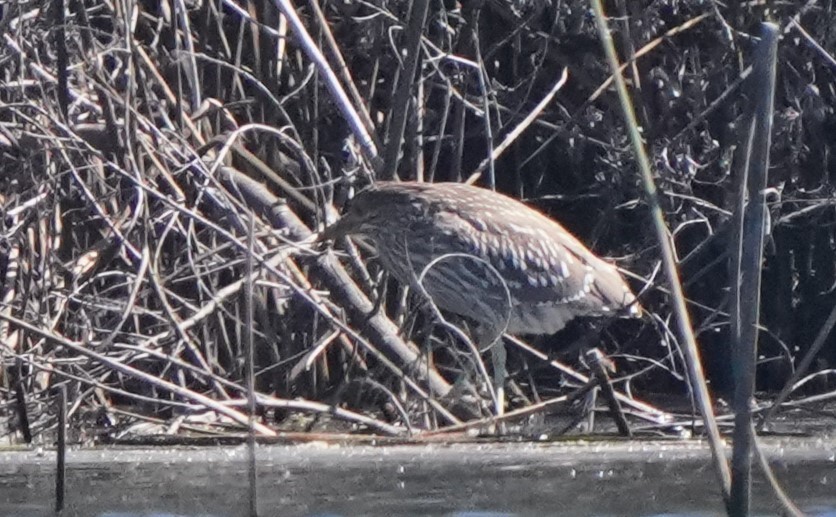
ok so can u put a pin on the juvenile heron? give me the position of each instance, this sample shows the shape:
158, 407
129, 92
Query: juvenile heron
485, 256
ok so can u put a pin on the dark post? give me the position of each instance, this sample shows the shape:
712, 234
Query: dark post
749, 273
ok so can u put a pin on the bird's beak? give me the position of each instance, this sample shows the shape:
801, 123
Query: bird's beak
331, 233
337, 230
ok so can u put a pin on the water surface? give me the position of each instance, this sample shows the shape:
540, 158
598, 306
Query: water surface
602, 479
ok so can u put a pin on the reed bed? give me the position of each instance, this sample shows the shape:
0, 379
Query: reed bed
149, 150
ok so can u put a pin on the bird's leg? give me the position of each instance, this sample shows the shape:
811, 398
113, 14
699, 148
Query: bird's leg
488, 334
499, 356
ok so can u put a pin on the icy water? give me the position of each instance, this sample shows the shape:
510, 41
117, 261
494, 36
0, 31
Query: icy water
596, 479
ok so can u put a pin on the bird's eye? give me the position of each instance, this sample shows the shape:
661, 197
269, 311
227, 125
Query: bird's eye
357, 203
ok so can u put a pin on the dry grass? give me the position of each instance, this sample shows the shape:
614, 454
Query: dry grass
137, 142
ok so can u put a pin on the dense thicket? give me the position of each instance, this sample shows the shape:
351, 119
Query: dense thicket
129, 131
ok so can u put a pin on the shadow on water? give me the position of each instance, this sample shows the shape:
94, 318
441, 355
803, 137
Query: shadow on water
647, 479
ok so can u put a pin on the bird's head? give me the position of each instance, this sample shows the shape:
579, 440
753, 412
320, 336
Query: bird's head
367, 214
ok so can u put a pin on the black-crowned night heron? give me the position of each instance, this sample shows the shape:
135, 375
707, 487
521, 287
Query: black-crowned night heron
487, 257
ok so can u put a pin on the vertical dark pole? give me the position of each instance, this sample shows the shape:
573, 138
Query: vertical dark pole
61, 453
751, 257
61, 59
20, 401
250, 371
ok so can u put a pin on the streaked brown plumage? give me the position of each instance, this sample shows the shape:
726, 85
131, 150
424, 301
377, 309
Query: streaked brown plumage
456, 238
